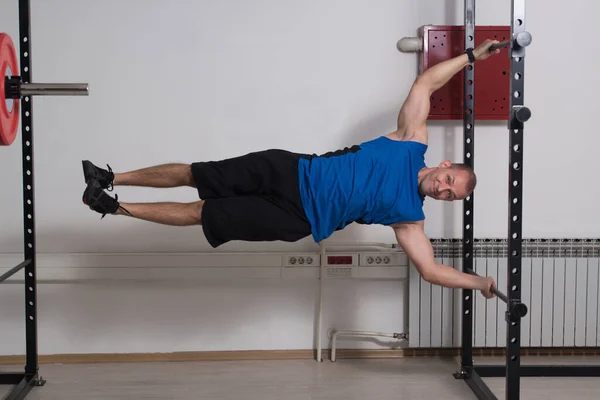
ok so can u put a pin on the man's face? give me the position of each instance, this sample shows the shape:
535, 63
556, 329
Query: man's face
445, 183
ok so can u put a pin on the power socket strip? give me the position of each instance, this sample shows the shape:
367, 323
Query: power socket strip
342, 265
301, 260
383, 259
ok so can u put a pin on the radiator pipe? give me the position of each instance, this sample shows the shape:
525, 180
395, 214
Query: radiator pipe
336, 334
320, 313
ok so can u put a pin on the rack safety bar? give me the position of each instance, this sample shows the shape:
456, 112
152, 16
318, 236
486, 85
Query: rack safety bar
13, 271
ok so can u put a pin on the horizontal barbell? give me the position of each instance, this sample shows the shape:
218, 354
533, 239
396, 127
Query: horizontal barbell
46, 89
12, 89
415, 44
516, 310
522, 39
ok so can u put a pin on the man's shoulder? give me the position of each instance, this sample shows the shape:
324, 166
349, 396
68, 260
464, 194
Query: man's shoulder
417, 137
413, 145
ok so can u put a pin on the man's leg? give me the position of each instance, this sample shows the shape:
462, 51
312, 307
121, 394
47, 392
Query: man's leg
159, 176
249, 218
254, 173
168, 213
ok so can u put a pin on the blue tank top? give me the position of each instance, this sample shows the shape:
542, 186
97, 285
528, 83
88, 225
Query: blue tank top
375, 182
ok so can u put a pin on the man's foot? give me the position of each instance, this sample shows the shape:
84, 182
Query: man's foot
98, 200
91, 172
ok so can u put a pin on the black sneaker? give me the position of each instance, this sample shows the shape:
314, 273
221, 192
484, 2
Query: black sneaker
91, 172
98, 200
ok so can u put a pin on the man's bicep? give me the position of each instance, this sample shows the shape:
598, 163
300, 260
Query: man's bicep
413, 115
417, 246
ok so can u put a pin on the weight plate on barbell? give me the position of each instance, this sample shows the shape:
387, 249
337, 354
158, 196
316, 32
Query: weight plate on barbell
9, 108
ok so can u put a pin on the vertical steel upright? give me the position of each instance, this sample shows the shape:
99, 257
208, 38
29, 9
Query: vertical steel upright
24, 381
31, 332
469, 159
515, 310
515, 200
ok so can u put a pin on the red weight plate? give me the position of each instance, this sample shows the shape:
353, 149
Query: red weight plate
9, 118
492, 78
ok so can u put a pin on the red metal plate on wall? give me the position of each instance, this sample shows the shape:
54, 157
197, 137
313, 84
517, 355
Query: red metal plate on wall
492, 80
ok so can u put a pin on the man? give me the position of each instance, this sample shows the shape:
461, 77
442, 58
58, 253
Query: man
279, 195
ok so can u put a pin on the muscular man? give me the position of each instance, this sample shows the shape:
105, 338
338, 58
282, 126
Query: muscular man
280, 195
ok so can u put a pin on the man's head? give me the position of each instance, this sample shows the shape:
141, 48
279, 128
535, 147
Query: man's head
449, 181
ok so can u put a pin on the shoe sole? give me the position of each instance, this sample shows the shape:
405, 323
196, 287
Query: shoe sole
87, 192
88, 171
89, 175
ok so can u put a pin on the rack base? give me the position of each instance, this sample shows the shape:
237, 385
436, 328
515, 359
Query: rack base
23, 383
473, 375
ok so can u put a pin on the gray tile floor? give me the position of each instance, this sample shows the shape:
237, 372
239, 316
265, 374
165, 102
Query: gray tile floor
410, 378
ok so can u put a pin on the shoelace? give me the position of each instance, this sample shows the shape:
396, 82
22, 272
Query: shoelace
110, 184
105, 205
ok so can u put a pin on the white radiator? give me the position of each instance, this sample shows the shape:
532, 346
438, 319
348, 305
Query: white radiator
560, 283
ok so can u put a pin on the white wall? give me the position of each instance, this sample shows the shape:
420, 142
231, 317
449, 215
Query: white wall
179, 81
213, 316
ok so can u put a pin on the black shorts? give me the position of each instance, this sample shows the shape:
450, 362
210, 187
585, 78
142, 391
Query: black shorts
255, 197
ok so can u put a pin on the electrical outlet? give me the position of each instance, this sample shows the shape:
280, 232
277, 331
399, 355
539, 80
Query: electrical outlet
383, 259
296, 260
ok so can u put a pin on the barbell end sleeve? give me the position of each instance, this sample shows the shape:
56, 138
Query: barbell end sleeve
523, 39
54, 89
522, 113
410, 45
516, 312
520, 310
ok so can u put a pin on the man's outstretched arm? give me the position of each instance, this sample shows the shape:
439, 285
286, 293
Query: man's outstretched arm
411, 237
415, 110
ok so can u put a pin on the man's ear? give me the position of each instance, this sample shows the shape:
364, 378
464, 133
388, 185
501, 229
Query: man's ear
445, 164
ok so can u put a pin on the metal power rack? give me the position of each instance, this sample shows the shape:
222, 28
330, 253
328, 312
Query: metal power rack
25, 380
20, 87
515, 310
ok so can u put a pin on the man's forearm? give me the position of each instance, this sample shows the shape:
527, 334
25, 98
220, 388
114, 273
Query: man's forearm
419, 250
449, 277
438, 75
